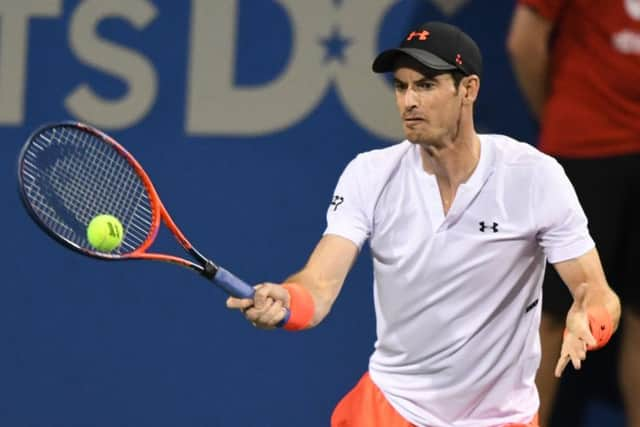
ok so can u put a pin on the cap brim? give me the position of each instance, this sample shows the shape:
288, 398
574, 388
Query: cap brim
385, 62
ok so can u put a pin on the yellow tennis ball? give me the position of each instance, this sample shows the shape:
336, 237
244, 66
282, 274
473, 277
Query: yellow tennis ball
105, 233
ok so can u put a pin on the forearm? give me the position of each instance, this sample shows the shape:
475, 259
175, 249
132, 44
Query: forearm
308, 294
528, 47
325, 272
531, 73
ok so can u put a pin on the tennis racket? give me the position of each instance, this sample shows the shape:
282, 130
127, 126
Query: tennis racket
70, 172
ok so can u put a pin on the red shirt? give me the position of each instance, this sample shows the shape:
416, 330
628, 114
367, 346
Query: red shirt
593, 108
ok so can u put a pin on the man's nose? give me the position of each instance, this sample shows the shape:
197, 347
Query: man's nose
410, 99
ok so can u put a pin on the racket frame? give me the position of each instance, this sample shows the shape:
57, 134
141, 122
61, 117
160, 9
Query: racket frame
160, 214
221, 277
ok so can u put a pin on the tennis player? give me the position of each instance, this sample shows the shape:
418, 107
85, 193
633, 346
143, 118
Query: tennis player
460, 226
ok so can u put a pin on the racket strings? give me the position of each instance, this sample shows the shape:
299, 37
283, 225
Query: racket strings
71, 175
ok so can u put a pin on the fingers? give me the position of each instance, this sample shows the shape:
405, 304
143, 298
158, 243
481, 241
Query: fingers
255, 314
270, 290
590, 340
261, 297
578, 337
562, 363
268, 317
574, 349
581, 355
266, 309
239, 303
575, 360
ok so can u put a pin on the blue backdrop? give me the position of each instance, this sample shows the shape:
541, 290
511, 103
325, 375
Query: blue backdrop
244, 114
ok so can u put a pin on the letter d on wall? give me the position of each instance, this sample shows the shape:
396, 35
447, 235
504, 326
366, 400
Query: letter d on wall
216, 107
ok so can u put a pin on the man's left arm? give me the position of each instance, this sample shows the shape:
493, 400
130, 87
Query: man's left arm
595, 312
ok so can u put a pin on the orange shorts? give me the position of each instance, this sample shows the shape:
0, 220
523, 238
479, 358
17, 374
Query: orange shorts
366, 406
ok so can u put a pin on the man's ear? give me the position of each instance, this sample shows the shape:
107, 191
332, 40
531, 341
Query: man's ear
470, 88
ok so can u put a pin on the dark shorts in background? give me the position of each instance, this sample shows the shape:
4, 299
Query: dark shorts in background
609, 191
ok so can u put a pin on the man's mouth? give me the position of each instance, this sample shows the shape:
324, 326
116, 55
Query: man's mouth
413, 120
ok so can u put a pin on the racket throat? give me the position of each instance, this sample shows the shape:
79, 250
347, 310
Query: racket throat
209, 269
205, 266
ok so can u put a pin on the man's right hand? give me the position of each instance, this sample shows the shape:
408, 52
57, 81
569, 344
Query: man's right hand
267, 307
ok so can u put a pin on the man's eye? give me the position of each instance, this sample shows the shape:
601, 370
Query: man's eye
426, 85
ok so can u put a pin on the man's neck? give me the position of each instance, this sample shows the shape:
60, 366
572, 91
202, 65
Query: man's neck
453, 162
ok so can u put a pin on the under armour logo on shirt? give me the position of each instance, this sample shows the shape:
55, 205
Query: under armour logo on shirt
337, 200
484, 226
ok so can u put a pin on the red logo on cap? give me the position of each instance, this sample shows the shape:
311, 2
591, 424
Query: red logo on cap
423, 35
458, 59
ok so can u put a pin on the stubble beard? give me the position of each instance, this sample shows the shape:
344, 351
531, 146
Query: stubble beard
423, 138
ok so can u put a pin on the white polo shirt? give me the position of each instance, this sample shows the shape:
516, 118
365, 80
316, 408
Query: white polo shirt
457, 297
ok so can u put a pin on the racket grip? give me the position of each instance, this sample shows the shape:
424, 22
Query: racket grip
285, 319
240, 289
232, 285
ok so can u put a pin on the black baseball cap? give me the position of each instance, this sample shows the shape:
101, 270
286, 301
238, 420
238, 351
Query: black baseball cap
438, 46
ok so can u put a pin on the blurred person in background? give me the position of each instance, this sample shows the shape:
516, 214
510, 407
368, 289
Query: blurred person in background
578, 65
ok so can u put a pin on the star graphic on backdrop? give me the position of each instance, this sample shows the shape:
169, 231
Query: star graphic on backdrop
335, 45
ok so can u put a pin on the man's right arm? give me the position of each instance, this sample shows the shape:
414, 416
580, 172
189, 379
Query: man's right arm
325, 272
322, 277
528, 47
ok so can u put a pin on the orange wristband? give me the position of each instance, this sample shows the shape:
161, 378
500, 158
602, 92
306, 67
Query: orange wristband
301, 307
601, 326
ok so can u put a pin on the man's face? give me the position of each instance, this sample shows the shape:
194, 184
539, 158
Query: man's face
429, 106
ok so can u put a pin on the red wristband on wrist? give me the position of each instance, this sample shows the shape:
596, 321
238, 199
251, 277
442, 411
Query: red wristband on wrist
301, 307
601, 326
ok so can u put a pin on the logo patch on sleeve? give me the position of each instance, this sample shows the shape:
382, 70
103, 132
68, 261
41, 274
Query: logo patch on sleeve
336, 201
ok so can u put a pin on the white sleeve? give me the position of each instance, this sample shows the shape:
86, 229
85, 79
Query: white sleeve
561, 223
346, 215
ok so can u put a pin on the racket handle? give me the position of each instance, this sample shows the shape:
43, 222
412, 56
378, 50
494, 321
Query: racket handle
285, 319
232, 285
240, 289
